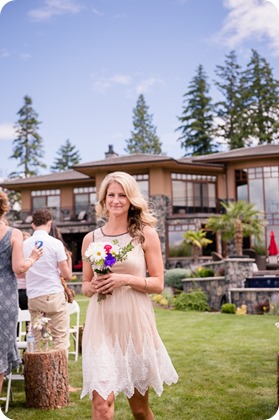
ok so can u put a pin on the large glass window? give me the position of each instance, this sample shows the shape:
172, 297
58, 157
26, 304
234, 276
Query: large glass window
46, 199
193, 193
83, 199
143, 182
177, 245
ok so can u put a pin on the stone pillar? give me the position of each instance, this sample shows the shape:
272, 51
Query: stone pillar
162, 209
237, 270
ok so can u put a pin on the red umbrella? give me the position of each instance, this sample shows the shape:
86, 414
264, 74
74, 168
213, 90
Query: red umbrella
272, 249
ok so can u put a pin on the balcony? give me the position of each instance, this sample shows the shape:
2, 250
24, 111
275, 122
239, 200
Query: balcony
60, 215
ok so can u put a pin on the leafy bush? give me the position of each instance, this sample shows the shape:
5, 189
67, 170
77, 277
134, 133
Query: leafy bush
262, 307
174, 276
228, 308
203, 272
196, 300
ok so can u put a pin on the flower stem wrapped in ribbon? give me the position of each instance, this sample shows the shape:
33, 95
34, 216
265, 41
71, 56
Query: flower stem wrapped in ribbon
103, 255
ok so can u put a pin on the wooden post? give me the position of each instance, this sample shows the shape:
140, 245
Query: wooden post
46, 379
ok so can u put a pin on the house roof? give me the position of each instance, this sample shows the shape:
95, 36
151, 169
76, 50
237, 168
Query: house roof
243, 153
53, 178
137, 161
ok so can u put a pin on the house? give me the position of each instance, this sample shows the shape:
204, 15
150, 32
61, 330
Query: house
185, 192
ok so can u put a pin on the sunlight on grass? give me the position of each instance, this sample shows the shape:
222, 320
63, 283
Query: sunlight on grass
226, 366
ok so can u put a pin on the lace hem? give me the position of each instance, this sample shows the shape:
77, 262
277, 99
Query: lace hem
112, 371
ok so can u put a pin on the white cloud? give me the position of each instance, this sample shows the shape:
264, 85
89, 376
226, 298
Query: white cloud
250, 19
7, 131
55, 8
104, 83
4, 53
25, 56
144, 85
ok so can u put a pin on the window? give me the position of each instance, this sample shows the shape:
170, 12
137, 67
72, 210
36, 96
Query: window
193, 193
143, 182
83, 199
46, 198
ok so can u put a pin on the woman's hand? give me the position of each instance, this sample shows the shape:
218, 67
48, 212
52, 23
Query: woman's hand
105, 283
36, 253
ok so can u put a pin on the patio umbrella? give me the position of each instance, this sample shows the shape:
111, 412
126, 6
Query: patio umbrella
272, 249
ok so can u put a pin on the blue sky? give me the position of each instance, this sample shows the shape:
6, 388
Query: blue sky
85, 62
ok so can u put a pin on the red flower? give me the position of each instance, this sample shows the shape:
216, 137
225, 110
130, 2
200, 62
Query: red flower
107, 248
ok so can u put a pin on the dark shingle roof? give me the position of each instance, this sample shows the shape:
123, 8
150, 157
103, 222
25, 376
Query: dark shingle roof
241, 153
70, 175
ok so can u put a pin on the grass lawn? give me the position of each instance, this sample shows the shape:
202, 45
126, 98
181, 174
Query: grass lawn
226, 364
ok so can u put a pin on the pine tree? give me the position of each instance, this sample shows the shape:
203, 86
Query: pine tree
262, 97
230, 109
28, 146
67, 157
144, 138
197, 117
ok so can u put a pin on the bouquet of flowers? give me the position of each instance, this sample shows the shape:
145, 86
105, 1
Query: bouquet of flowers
41, 323
103, 255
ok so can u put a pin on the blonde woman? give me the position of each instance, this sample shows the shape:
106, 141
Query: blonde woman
122, 350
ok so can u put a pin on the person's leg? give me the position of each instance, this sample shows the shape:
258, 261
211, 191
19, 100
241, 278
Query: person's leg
102, 409
1, 381
140, 407
54, 307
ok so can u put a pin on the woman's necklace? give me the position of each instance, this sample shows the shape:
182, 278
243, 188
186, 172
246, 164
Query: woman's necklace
2, 223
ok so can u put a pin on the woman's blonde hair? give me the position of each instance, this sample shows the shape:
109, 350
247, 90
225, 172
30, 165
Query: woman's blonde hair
4, 203
139, 215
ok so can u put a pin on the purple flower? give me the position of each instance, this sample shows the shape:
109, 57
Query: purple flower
109, 260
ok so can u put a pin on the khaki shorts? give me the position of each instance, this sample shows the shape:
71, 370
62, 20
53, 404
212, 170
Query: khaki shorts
54, 306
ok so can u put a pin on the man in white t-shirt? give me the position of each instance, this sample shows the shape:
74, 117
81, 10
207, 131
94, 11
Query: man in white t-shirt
43, 284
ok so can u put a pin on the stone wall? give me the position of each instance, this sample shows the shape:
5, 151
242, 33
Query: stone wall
161, 205
230, 288
214, 287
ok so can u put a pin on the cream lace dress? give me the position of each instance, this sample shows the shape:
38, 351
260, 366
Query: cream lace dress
121, 347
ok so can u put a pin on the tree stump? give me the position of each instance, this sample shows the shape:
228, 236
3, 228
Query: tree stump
46, 379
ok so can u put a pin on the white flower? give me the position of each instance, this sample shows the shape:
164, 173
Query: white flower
37, 324
95, 252
277, 324
115, 250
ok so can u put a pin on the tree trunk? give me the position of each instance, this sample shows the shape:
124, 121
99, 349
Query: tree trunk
46, 379
238, 238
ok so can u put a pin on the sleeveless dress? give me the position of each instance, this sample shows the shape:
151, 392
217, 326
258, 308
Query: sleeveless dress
121, 347
9, 357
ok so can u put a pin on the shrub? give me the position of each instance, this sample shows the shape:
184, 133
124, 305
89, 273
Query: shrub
262, 307
203, 272
196, 300
174, 276
228, 308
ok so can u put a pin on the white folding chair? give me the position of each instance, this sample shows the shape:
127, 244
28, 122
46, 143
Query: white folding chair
74, 309
23, 316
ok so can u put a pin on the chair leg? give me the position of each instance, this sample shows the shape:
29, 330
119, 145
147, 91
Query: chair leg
9, 391
76, 344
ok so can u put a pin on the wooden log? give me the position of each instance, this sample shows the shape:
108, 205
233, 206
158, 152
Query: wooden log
46, 379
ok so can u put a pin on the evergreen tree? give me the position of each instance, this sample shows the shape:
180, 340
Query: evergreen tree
197, 117
144, 138
230, 109
67, 157
262, 97
28, 146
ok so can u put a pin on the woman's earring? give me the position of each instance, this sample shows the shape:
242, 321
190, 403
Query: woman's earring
132, 208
